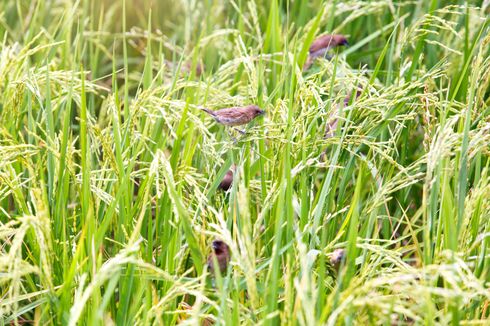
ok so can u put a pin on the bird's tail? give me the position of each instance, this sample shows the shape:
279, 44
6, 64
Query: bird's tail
208, 111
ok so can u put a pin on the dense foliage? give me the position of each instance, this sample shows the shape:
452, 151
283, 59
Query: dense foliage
109, 169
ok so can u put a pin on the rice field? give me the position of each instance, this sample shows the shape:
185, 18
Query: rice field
360, 197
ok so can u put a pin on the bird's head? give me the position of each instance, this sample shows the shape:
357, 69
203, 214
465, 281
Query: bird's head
256, 111
219, 246
337, 256
340, 40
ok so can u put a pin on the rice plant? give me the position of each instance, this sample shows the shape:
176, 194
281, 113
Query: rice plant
360, 197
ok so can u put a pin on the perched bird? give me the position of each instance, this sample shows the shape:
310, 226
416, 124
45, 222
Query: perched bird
331, 126
235, 116
322, 45
225, 184
198, 70
326, 42
348, 97
221, 252
336, 258
333, 121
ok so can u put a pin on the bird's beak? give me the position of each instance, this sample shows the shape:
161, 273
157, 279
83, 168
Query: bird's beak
214, 245
262, 112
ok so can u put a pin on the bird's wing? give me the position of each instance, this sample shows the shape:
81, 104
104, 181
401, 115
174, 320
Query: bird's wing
230, 113
321, 43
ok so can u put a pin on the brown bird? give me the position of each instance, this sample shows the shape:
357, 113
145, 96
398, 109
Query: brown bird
235, 116
326, 42
198, 70
322, 45
336, 258
348, 97
225, 184
332, 124
221, 252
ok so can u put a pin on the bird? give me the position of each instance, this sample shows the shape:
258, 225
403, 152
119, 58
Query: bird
326, 42
322, 45
235, 116
227, 181
331, 126
348, 97
333, 119
336, 258
199, 69
220, 252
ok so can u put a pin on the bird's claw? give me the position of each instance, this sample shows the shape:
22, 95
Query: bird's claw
240, 131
